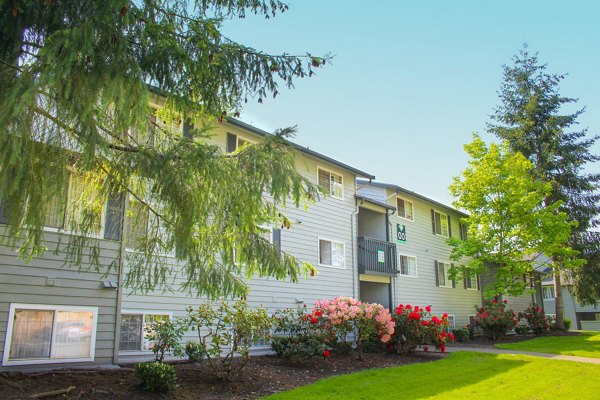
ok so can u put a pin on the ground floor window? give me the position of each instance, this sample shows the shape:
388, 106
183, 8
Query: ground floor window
46, 333
134, 329
548, 292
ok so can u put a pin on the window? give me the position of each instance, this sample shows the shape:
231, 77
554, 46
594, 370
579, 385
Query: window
331, 183
331, 253
441, 223
134, 329
265, 232
548, 292
471, 282
443, 274
77, 211
451, 324
463, 231
234, 142
39, 334
405, 209
408, 265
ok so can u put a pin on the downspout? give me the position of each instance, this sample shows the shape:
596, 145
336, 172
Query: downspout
388, 228
352, 239
121, 281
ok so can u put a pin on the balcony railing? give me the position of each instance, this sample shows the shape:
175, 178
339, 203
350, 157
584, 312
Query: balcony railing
376, 256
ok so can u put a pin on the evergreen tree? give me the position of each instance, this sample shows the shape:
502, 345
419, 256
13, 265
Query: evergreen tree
531, 118
77, 81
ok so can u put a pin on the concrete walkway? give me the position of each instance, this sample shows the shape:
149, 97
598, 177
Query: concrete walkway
493, 350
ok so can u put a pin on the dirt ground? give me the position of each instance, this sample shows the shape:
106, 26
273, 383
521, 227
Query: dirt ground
263, 375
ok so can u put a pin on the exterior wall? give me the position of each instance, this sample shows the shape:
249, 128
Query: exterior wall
573, 310
428, 248
330, 218
47, 281
371, 224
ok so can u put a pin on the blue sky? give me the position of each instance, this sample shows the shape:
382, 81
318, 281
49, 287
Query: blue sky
411, 81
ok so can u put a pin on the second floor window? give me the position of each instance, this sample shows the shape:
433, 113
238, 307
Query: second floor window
331, 253
408, 265
443, 274
548, 292
331, 183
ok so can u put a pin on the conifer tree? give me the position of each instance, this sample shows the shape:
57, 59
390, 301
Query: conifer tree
531, 117
77, 79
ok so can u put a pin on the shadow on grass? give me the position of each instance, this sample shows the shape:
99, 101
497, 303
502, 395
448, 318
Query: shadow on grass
586, 345
415, 381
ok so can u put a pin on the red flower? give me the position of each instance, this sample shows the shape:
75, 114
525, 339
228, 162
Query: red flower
468, 325
443, 348
313, 320
326, 353
425, 348
399, 309
425, 323
428, 309
318, 313
505, 301
445, 315
451, 336
417, 308
408, 307
436, 320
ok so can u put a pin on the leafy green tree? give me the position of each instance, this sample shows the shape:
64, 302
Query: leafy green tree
508, 221
77, 82
531, 118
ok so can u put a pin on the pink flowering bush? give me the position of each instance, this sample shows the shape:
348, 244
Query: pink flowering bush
345, 315
494, 319
536, 319
417, 326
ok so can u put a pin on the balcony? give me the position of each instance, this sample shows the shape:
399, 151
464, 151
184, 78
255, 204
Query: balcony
376, 257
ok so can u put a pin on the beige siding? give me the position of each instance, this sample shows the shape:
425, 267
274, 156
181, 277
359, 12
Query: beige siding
47, 281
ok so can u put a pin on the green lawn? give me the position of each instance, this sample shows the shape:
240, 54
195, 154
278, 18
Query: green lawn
463, 375
586, 345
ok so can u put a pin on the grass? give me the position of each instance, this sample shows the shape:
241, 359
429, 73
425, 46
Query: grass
585, 345
463, 375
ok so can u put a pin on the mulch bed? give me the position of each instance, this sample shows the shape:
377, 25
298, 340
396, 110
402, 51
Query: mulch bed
263, 375
482, 342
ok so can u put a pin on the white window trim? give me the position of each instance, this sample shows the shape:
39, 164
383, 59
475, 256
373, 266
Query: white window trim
548, 298
416, 275
476, 289
319, 252
143, 313
447, 235
412, 204
319, 168
453, 326
245, 139
448, 284
55, 308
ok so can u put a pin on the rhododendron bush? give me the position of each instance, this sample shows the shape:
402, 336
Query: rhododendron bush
346, 316
536, 319
417, 326
494, 319
298, 335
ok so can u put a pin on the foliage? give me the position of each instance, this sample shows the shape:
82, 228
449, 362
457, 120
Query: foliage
298, 335
165, 336
536, 319
345, 315
532, 117
494, 319
508, 222
567, 323
582, 344
156, 376
461, 375
522, 329
462, 334
78, 79
195, 351
417, 326
228, 330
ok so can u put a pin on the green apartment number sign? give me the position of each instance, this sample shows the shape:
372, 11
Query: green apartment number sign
401, 233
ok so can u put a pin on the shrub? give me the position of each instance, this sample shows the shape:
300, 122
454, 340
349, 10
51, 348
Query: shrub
195, 351
156, 376
345, 315
536, 319
298, 335
165, 336
494, 319
461, 334
567, 323
226, 330
417, 326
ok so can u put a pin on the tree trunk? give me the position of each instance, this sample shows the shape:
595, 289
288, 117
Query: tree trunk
558, 298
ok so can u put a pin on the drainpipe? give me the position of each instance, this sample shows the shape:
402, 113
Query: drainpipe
388, 228
121, 282
355, 293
